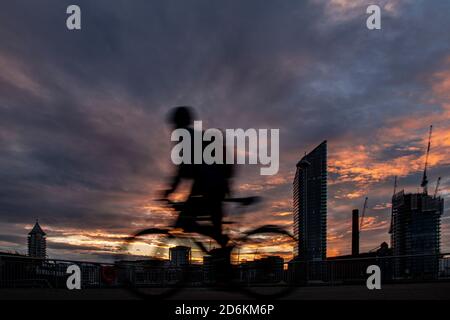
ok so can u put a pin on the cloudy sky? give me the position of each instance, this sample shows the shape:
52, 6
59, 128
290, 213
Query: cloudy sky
83, 142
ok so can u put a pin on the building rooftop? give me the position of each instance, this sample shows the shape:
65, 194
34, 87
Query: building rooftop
37, 229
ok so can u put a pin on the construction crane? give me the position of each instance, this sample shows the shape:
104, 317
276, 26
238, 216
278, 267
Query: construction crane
437, 187
424, 183
392, 209
362, 214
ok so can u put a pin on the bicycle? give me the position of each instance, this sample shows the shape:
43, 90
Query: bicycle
157, 278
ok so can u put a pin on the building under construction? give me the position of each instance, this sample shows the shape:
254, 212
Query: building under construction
416, 233
415, 230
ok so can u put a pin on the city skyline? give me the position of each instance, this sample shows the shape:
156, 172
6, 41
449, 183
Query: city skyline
85, 148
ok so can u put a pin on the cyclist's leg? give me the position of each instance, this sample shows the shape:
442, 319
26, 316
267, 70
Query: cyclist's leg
187, 218
194, 207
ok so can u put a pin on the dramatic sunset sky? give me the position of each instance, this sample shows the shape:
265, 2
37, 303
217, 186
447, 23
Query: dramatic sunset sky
83, 142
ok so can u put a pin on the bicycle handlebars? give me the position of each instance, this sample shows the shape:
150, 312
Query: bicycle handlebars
245, 201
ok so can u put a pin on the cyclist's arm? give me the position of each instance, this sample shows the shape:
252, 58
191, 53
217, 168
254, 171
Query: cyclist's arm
182, 171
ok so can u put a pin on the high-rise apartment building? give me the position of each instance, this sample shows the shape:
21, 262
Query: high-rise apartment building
310, 205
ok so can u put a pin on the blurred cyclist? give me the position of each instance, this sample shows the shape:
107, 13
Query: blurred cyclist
210, 185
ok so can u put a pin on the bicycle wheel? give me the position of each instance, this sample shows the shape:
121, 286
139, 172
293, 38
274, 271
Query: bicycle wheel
259, 257
155, 263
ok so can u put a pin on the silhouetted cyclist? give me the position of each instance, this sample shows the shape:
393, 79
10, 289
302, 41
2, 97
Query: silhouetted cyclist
210, 186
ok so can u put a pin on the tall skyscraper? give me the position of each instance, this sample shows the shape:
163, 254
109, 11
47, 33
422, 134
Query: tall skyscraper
415, 234
310, 205
37, 243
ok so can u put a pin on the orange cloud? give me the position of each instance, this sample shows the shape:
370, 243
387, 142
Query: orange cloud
360, 163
